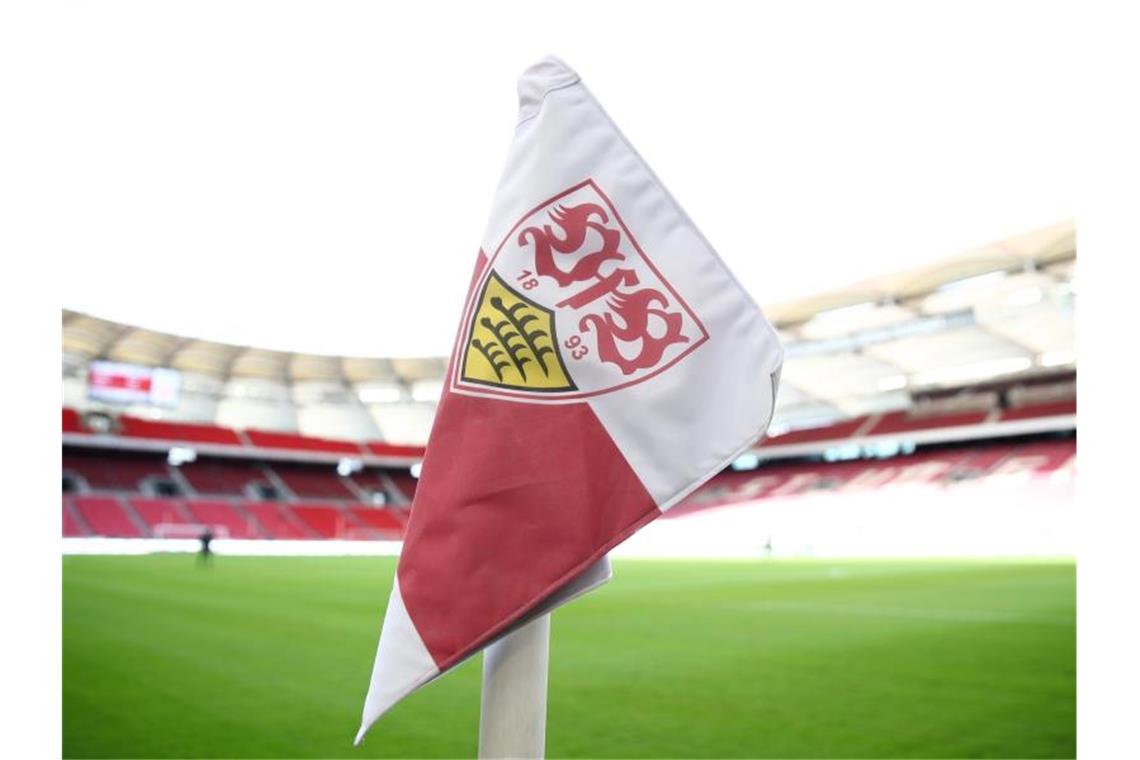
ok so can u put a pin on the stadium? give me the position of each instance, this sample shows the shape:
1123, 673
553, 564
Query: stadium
619, 380
889, 573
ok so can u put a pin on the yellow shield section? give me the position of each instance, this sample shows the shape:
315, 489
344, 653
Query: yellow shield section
512, 343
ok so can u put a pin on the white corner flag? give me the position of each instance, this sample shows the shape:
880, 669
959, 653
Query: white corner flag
607, 364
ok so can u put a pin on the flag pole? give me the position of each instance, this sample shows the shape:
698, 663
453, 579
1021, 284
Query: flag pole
512, 721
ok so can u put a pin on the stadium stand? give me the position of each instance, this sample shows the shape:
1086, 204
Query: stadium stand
72, 524
844, 429
311, 500
72, 422
107, 516
371, 481
385, 522
941, 466
273, 440
312, 481
900, 422
404, 483
135, 427
1047, 409
932, 378
1039, 456
382, 449
337, 513
112, 470
159, 512
222, 514
277, 522
221, 477
324, 520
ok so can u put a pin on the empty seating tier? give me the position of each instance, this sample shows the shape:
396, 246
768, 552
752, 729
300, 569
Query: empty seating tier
313, 481
381, 449
844, 429
136, 427
325, 521
1053, 409
276, 521
904, 422
405, 482
71, 525
223, 515
113, 471
106, 516
385, 522
271, 440
159, 513
221, 477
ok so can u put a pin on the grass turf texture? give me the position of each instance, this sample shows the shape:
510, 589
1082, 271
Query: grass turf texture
270, 657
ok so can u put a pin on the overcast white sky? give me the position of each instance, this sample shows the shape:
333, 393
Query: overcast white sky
308, 177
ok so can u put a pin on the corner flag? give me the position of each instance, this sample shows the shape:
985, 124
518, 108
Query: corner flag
607, 364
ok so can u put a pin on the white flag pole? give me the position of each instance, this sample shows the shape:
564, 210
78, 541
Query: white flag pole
512, 722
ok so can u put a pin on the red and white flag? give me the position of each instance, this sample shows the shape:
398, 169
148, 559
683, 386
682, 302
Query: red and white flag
607, 364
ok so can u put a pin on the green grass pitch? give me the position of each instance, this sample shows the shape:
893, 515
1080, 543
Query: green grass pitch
270, 657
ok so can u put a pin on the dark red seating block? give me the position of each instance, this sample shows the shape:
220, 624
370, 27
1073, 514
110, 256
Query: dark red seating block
1053, 409
113, 471
221, 477
313, 481
405, 482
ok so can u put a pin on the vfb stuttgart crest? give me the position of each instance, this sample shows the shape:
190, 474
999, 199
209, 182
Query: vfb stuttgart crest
570, 306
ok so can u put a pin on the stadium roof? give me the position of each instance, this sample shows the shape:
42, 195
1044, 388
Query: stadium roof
1003, 310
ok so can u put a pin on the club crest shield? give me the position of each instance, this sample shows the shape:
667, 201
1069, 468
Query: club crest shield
570, 306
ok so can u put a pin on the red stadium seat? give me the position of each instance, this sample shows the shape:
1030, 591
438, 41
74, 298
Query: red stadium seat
274, 440
71, 524
136, 427
222, 514
221, 477
106, 516
371, 479
839, 430
277, 522
326, 521
1053, 409
405, 482
313, 481
904, 422
156, 512
72, 422
385, 522
1041, 456
986, 456
113, 470
935, 467
381, 449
